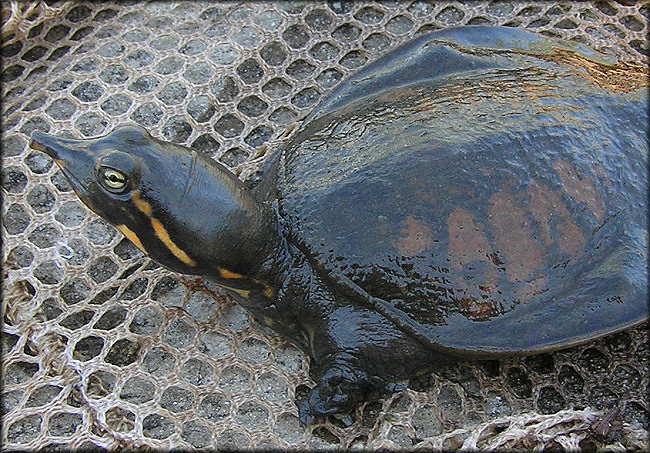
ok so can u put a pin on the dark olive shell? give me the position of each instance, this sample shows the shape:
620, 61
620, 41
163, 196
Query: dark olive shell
483, 188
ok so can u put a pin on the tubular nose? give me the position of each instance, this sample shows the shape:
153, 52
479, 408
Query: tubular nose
45, 143
59, 149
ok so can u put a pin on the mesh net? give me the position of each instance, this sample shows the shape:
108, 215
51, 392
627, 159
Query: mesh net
104, 348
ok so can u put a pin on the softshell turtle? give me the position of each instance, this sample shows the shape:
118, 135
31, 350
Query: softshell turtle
476, 192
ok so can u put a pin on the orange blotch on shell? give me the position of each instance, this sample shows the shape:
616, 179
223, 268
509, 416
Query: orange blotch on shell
514, 237
467, 240
547, 208
572, 240
415, 237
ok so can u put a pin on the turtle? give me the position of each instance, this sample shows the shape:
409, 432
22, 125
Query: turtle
476, 192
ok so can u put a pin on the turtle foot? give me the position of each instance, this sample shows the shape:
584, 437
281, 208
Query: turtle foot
337, 392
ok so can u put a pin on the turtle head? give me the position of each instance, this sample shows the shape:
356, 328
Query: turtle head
186, 211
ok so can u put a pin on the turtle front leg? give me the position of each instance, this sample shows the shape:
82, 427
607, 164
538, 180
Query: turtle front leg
340, 387
361, 353
355, 350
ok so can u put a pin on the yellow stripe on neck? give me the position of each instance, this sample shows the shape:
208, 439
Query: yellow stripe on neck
268, 290
158, 228
225, 273
131, 236
242, 292
139, 203
163, 235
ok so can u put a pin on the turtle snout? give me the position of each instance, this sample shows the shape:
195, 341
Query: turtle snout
45, 143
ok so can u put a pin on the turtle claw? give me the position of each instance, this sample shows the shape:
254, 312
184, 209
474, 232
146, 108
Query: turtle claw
305, 414
337, 392
394, 387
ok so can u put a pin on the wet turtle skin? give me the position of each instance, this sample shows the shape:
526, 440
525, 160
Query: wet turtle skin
476, 192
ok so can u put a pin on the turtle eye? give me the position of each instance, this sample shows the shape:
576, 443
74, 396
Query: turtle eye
113, 180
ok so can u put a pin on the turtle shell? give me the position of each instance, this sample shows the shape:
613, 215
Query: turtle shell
483, 188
